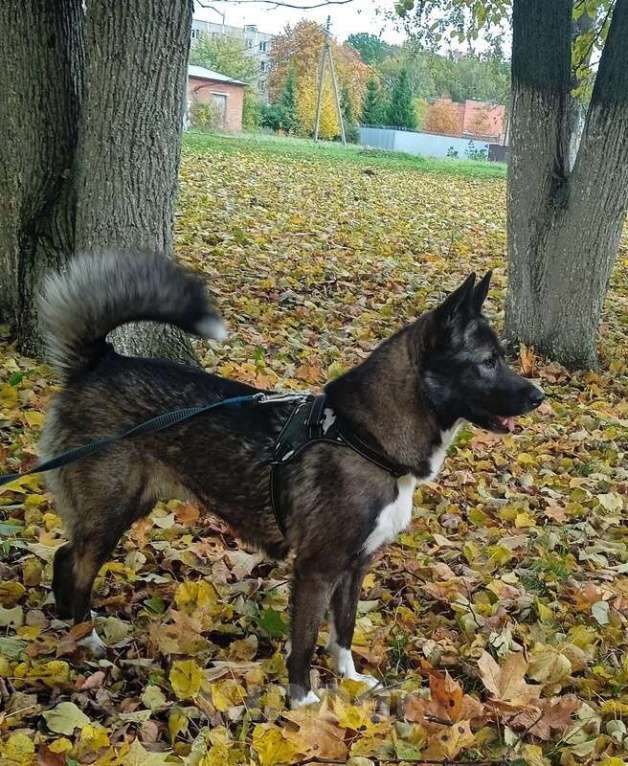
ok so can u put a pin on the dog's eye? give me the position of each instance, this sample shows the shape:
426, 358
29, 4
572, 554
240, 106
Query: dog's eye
490, 363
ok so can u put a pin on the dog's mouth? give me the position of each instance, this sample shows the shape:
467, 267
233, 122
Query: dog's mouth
501, 425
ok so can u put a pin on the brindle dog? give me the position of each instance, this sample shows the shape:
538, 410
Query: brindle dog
407, 401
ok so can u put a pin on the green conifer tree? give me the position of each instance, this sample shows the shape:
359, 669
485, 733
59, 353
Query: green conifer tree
372, 112
401, 112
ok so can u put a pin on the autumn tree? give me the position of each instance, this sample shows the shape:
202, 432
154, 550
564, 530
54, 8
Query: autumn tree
480, 124
298, 49
442, 117
564, 218
90, 124
401, 112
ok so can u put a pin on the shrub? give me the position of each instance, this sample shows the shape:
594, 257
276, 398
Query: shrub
205, 116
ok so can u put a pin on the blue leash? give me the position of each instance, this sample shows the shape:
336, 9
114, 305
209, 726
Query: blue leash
159, 423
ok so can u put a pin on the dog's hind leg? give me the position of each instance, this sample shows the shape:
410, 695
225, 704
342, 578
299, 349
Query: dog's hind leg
63, 581
76, 566
311, 592
344, 606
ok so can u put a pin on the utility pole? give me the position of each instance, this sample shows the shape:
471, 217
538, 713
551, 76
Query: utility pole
327, 56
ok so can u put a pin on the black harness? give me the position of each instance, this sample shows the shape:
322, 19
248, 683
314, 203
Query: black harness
311, 422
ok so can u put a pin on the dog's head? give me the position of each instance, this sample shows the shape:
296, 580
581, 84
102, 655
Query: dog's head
465, 372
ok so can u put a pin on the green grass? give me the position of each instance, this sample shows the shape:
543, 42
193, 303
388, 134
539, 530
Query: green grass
304, 149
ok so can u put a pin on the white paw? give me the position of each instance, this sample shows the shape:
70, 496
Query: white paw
93, 643
308, 699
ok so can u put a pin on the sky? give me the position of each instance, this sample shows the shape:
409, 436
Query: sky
356, 16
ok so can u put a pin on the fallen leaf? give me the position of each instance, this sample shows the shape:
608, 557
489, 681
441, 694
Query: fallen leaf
64, 718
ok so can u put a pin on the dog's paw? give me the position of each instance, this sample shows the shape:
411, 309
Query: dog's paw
298, 700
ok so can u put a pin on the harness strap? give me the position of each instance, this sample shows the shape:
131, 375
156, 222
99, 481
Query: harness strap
302, 429
158, 423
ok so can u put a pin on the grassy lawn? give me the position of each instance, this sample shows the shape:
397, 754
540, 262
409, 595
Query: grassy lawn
306, 149
497, 622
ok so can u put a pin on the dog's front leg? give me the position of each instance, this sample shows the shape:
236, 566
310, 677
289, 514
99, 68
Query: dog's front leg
344, 607
311, 592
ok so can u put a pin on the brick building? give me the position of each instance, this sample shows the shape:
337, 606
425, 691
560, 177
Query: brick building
257, 45
473, 119
225, 93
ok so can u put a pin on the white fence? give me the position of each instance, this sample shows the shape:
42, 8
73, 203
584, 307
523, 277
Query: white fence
425, 144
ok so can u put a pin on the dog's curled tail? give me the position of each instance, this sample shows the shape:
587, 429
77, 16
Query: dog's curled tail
97, 293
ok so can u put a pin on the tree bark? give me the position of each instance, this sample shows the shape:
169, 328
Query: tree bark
563, 228
95, 116
41, 82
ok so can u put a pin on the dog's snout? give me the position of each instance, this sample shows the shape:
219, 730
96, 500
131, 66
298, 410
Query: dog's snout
536, 396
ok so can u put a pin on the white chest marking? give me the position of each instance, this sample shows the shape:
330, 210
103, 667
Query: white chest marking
395, 516
437, 457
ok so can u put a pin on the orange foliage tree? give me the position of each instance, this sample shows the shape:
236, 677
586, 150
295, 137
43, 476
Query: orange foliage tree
442, 117
481, 124
299, 49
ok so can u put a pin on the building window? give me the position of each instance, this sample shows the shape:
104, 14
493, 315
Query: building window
262, 46
195, 33
249, 42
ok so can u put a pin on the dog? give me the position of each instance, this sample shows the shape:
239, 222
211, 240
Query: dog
407, 400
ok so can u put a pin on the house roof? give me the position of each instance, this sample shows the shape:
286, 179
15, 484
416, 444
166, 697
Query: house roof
209, 74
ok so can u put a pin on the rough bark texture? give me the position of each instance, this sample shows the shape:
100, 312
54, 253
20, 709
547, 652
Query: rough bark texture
94, 119
564, 228
130, 137
41, 81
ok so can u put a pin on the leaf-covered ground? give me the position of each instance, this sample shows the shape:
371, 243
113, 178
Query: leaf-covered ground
497, 623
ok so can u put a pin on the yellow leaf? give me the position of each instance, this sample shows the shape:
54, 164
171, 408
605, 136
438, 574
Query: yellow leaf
177, 723
138, 755
8, 396
217, 755
193, 594
52, 673
271, 746
94, 737
544, 611
523, 520
226, 694
34, 418
352, 716
186, 677
449, 741
11, 591
548, 665
533, 756
61, 745
19, 750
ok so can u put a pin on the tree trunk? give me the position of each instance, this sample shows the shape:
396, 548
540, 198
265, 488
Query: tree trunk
563, 228
40, 81
95, 143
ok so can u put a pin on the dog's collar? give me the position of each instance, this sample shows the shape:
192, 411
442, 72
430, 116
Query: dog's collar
310, 422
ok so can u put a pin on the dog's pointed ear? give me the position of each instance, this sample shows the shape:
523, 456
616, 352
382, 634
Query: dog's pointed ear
458, 302
481, 291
